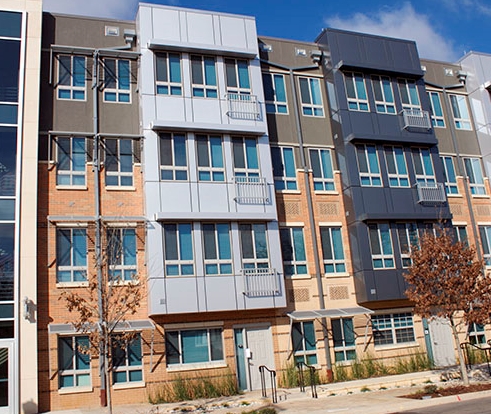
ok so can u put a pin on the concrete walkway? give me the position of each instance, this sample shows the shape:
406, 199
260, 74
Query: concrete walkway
369, 396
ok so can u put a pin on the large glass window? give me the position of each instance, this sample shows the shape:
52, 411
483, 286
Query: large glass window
178, 249
216, 244
392, 329
332, 250
168, 73
71, 77
194, 346
253, 238
322, 170
293, 251
210, 158
119, 162
474, 173
396, 167
304, 343
71, 159
275, 93
409, 94
476, 334
117, 80
204, 77
381, 246
437, 118
485, 234
8, 138
121, 252
7, 245
461, 234
343, 335
407, 234
356, 91
384, 97
74, 361
450, 176
368, 165
285, 175
237, 73
423, 166
9, 69
127, 360
311, 98
173, 157
246, 161
71, 255
460, 112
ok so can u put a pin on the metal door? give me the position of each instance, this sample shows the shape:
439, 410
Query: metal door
442, 342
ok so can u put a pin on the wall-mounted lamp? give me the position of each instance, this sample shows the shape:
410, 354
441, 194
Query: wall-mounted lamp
129, 36
316, 56
26, 305
461, 76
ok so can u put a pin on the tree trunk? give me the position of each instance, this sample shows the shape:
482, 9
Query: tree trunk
463, 368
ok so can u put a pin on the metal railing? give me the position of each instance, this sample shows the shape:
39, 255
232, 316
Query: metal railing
251, 190
272, 377
242, 106
261, 282
301, 367
416, 118
431, 193
469, 348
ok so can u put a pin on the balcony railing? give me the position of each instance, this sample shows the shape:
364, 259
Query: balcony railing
416, 118
251, 190
261, 282
241, 106
431, 193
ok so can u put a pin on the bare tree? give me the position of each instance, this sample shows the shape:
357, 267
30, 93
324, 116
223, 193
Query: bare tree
447, 280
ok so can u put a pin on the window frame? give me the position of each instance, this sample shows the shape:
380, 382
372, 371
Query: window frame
204, 83
370, 174
75, 254
175, 156
168, 77
221, 248
77, 357
293, 251
246, 155
408, 238
460, 111
72, 88
383, 94
461, 234
122, 255
120, 86
476, 334
236, 83
179, 258
437, 117
283, 159
450, 175
474, 173
252, 235
122, 173
344, 349
377, 234
304, 345
127, 368
275, 96
408, 92
333, 256
214, 170
397, 172
356, 91
393, 323
485, 236
322, 169
420, 157
311, 96
76, 169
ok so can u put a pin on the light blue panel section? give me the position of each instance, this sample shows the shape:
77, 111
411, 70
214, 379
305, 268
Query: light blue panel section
206, 110
148, 109
151, 156
147, 83
156, 297
200, 28
233, 32
154, 249
214, 197
202, 293
144, 23
152, 199
170, 108
176, 196
165, 24
184, 296
221, 293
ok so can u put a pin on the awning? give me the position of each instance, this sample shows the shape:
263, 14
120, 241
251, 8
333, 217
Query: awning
328, 313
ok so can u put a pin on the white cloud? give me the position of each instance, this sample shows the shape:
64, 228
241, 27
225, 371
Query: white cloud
468, 8
115, 9
404, 23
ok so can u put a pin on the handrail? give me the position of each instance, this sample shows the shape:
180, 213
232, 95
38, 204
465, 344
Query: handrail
272, 377
487, 351
300, 366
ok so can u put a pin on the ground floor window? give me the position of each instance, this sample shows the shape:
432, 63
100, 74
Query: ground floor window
393, 328
127, 360
476, 334
73, 361
343, 336
304, 346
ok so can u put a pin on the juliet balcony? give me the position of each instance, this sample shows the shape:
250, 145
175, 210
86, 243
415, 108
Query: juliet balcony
416, 119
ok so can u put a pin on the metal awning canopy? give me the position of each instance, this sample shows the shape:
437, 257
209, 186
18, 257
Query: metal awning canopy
328, 313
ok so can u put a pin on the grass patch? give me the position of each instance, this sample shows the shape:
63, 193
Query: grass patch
267, 410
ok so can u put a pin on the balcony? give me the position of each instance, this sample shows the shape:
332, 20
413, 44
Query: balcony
261, 282
242, 106
431, 193
251, 190
416, 118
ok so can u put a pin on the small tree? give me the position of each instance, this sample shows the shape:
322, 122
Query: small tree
102, 307
446, 280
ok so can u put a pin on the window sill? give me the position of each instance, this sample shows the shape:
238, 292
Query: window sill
75, 390
120, 188
191, 367
125, 385
391, 347
454, 196
320, 192
298, 277
480, 196
72, 187
335, 275
288, 191
63, 285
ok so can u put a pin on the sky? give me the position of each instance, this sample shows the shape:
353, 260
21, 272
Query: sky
443, 29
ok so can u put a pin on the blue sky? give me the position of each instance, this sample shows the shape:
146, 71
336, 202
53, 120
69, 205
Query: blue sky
443, 29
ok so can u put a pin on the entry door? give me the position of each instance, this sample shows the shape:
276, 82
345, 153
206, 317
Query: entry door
6, 379
442, 342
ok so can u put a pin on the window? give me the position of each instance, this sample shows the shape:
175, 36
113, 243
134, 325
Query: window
310, 94
343, 336
127, 360
322, 171
116, 80
476, 334
178, 250
194, 346
173, 157
392, 329
254, 246
384, 97
474, 173
285, 175
485, 234
210, 158
74, 361
381, 246
368, 165
409, 94
71, 255
237, 73
275, 93
118, 162
423, 166
246, 162
450, 177
461, 234
396, 167
304, 344
204, 77
437, 118
293, 251
71, 157
218, 253
332, 250
168, 73
71, 77
407, 234
356, 92
121, 252
460, 112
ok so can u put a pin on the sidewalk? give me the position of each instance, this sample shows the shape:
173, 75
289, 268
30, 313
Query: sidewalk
369, 396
